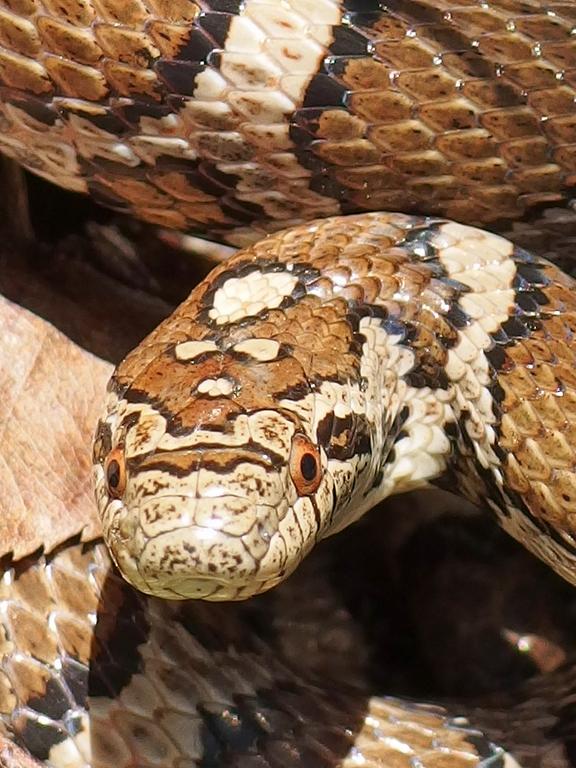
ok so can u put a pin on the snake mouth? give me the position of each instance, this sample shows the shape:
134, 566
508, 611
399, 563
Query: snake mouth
206, 588
222, 548
193, 586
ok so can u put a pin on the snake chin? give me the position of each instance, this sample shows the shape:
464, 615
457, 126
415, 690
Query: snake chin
174, 585
186, 583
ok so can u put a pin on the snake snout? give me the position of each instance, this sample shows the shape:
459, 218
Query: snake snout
223, 547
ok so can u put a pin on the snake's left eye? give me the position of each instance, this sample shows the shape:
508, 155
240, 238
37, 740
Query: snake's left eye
305, 465
115, 471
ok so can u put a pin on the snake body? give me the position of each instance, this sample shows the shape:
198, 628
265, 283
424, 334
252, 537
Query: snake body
238, 118
172, 683
317, 372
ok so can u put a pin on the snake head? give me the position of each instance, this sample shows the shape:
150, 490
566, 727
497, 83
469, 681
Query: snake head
243, 429
220, 502
260, 417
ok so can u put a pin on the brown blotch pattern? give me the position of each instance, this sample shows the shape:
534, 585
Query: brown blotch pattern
345, 265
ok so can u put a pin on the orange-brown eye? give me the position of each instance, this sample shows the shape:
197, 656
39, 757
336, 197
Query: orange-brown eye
305, 465
115, 473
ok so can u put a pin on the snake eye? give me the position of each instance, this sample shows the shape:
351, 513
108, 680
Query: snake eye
115, 473
305, 465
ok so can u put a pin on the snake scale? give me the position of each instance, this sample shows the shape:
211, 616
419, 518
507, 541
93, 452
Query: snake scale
323, 368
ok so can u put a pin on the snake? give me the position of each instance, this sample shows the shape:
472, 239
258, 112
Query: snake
376, 333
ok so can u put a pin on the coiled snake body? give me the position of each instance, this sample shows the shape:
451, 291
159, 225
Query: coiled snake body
323, 368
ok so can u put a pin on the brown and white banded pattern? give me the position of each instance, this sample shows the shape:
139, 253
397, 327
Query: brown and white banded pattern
237, 118
96, 675
324, 369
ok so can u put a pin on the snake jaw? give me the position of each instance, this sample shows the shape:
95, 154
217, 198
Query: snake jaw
213, 548
199, 561
197, 537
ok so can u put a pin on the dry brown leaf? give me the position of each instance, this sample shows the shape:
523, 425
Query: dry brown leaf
51, 393
12, 756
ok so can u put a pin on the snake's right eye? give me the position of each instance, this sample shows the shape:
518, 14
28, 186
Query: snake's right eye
115, 471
